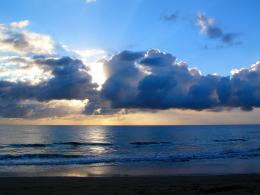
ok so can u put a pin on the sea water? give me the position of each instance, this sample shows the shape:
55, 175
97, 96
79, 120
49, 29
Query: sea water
129, 150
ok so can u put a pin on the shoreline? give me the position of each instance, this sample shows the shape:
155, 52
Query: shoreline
217, 184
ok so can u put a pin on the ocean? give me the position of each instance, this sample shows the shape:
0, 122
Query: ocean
129, 150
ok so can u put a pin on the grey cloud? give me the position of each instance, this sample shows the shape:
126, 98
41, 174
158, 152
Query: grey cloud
22, 41
208, 26
69, 81
100, 106
123, 78
17, 40
38, 109
171, 17
172, 85
149, 81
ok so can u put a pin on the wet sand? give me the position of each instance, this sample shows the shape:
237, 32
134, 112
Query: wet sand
152, 185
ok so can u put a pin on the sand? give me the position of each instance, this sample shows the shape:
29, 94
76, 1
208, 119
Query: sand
230, 184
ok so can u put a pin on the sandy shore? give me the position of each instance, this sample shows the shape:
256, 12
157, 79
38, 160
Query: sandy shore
232, 184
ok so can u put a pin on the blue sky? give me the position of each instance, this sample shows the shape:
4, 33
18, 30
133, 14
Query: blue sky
116, 25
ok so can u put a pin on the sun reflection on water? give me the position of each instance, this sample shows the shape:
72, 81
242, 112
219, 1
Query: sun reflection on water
98, 135
86, 171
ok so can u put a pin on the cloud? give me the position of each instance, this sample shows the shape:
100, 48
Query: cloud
36, 82
171, 17
120, 87
245, 87
90, 1
147, 81
22, 69
92, 58
16, 40
154, 80
99, 106
209, 28
69, 80
34, 78
46, 109
20, 24
90, 53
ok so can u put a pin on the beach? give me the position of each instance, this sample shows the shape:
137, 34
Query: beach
152, 185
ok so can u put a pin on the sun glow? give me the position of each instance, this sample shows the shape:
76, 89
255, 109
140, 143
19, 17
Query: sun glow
97, 73
92, 58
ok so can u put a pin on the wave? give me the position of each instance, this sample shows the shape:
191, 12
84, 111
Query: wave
71, 159
75, 144
58, 159
28, 145
149, 143
40, 145
230, 140
84, 143
36, 156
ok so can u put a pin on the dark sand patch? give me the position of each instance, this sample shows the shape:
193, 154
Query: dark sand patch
154, 185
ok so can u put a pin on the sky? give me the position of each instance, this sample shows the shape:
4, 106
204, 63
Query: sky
129, 62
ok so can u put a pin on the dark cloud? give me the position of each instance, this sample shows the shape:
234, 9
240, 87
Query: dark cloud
100, 106
155, 80
151, 80
229, 37
123, 78
70, 80
208, 26
171, 17
246, 89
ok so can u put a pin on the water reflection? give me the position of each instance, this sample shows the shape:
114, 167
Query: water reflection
98, 150
50, 171
85, 171
11, 134
97, 135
